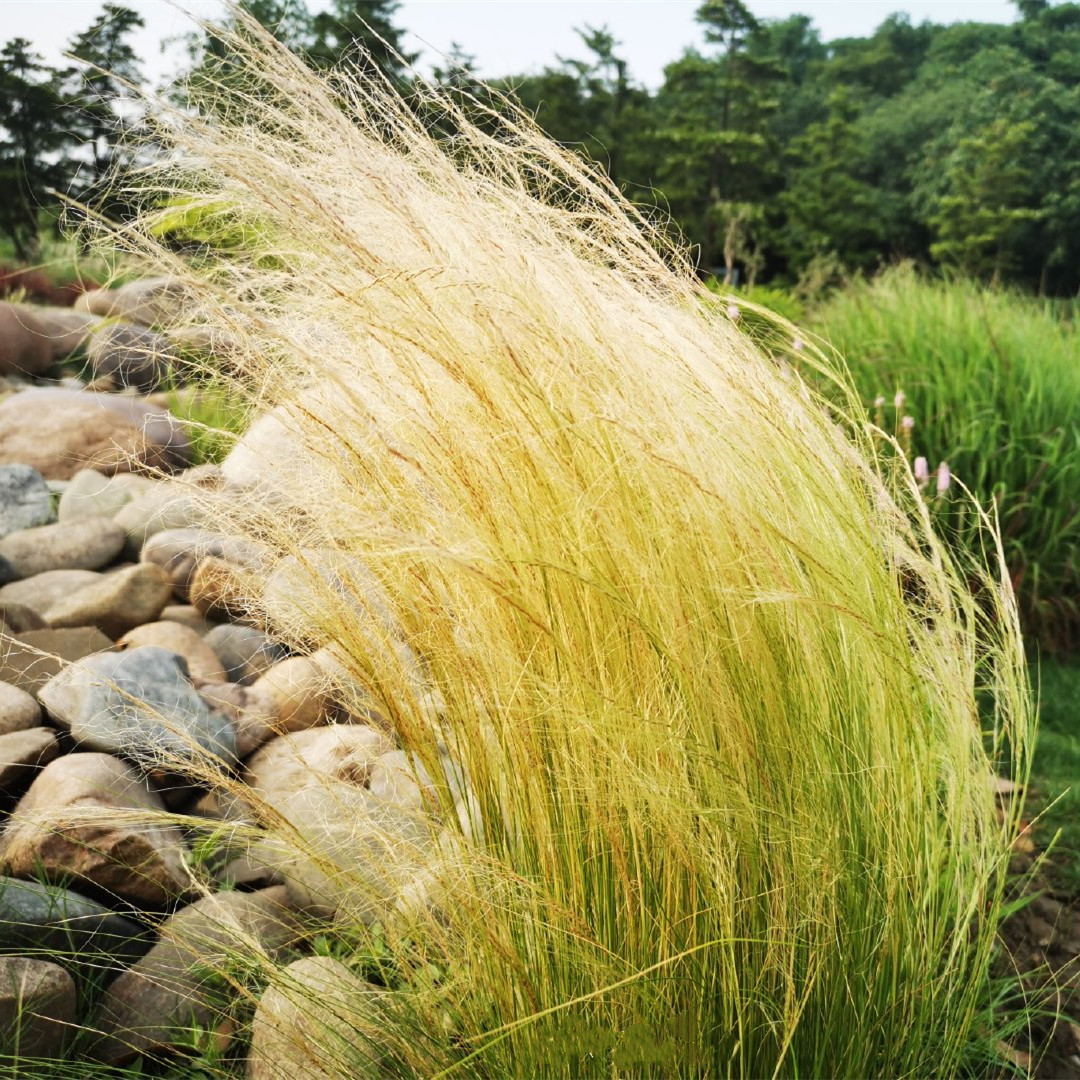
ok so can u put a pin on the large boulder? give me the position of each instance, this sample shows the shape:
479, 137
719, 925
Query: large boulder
141, 704
91, 818
60, 431
62, 328
24, 345
132, 356
171, 990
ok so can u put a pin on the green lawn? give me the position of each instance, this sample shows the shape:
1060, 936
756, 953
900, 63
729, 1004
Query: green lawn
1056, 773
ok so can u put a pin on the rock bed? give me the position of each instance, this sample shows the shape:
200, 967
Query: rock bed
135, 687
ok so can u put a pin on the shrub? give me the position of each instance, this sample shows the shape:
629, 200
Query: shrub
992, 382
711, 679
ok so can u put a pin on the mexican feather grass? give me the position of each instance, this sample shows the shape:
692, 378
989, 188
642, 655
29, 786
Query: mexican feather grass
726, 710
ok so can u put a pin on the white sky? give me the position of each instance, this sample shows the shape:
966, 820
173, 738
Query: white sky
506, 36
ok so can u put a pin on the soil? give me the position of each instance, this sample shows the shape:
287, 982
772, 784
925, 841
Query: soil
1042, 942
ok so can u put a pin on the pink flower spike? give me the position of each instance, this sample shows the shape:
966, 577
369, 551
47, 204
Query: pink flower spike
733, 312
899, 400
908, 423
879, 402
922, 471
797, 344
944, 478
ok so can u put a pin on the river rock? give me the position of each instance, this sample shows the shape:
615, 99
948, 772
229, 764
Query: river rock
155, 1004
117, 603
141, 704
43, 590
38, 1009
34, 657
93, 494
57, 923
24, 347
68, 545
251, 713
89, 818
289, 763
159, 507
132, 356
245, 652
221, 590
18, 618
179, 551
18, 710
147, 302
186, 615
304, 595
25, 499
23, 754
64, 329
301, 691
348, 854
59, 431
202, 661
291, 1040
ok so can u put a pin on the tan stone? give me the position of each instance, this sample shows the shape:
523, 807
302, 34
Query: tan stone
148, 301
117, 603
88, 544
155, 1004
43, 590
23, 754
24, 346
35, 656
220, 590
203, 664
249, 710
18, 710
301, 691
318, 1020
186, 615
38, 1008
91, 818
60, 431
292, 762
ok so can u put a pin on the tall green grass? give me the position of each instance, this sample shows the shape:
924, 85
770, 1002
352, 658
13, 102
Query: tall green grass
992, 381
711, 676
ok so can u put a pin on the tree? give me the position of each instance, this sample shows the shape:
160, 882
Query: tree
828, 205
363, 33
35, 142
980, 217
102, 95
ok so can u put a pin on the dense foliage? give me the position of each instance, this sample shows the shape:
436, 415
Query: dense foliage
780, 156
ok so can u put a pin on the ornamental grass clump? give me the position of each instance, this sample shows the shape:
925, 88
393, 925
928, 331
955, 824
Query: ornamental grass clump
721, 803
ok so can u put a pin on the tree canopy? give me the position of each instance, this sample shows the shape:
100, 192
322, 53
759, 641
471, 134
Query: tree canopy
772, 151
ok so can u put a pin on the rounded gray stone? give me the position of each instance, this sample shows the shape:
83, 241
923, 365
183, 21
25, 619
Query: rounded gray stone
25, 499
141, 705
